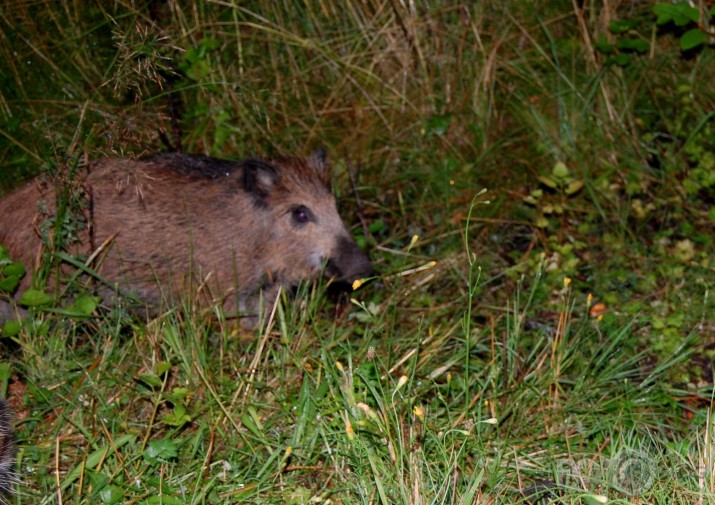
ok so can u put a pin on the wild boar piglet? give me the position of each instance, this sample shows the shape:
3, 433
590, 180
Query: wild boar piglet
232, 231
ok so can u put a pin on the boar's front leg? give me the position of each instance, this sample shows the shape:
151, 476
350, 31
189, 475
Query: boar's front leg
254, 309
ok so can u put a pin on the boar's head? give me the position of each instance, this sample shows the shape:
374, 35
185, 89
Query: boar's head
304, 234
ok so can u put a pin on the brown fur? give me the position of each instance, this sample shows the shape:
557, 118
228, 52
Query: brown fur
175, 222
8, 476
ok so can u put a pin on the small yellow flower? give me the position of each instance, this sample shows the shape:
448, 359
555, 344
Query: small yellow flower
403, 380
567, 281
339, 366
419, 411
349, 429
289, 451
589, 299
356, 284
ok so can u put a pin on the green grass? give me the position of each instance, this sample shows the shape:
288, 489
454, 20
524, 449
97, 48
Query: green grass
478, 368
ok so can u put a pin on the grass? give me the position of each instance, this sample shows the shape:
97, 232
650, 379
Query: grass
550, 337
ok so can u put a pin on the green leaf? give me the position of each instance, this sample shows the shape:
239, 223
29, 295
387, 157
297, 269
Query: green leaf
686, 13
162, 367
547, 182
676, 320
98, 480
11, 328
680, 13
111, 495
693, 38
178, 417
604, 47
86, 304
178, 395
560, 170
620, 59
622, 25
150, 379
376, 226
9, 284
637, 45
658, 323
15, 268
161, 450
35, 298
4, 372
664, 13
574, 187
253, 427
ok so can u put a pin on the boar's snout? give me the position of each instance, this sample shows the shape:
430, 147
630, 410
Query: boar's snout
348, 263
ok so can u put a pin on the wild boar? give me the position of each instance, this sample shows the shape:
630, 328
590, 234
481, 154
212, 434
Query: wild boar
233, 231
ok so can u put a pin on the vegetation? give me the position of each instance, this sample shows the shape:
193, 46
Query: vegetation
548, 338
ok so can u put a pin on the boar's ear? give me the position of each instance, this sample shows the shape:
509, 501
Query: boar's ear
259, 179
318, 161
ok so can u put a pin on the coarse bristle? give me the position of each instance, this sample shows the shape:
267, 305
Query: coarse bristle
8, 476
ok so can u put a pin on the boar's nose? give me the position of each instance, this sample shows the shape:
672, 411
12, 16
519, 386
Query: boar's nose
348, 262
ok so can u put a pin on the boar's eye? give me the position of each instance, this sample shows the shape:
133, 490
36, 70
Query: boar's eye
301, 214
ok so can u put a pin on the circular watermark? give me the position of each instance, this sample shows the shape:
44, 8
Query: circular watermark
631, 472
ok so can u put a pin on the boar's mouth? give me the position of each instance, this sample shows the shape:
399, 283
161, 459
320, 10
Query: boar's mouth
348, 263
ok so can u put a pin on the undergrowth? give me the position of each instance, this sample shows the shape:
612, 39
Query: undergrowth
548, 339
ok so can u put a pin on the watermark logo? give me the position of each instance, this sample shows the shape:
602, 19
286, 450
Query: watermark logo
631, 472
